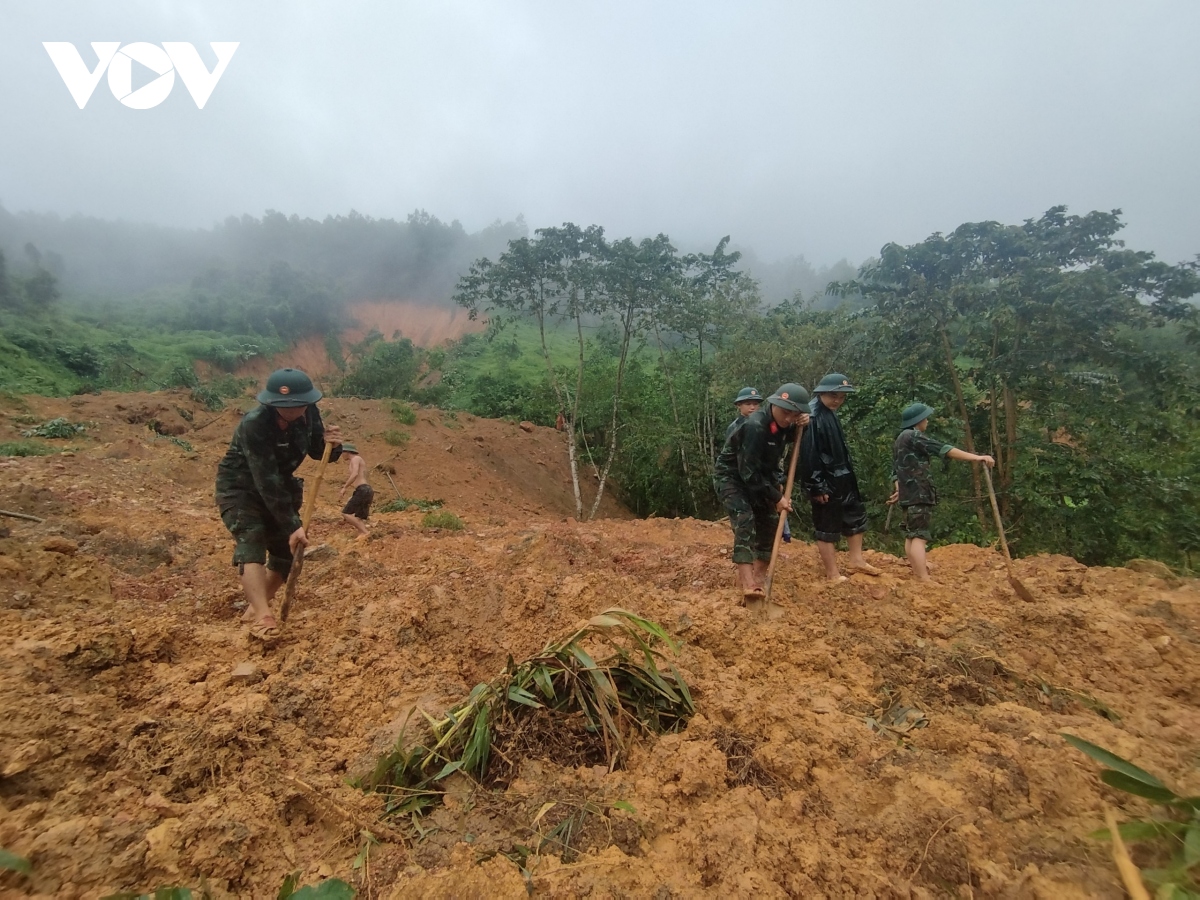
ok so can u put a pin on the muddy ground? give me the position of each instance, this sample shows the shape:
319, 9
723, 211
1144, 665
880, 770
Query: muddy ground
132, 757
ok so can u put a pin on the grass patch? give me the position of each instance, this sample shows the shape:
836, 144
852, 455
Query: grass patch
26, 448
447, 520
396, 437
400, 504
403, 413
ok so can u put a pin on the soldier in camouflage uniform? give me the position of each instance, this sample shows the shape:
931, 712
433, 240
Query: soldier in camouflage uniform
746, 476
257, 494
911, 455
746, 402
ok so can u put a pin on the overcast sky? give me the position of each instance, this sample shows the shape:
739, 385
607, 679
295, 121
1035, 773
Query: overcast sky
824, 129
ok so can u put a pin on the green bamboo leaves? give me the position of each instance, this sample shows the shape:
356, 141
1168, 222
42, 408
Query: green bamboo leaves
610, 670
1176, 836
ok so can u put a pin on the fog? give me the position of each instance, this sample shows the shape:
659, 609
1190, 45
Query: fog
815, 129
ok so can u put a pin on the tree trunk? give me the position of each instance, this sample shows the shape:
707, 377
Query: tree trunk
1010, 434
571, 453
966, 420
626, 338
687, 476
569, 433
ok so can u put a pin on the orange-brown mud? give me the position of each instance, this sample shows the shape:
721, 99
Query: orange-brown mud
132, 757
425, 324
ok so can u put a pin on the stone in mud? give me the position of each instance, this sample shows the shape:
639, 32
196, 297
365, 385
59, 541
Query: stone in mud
246, 673
59, 544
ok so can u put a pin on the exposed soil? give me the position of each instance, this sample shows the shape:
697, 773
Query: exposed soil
132, 757
425, 324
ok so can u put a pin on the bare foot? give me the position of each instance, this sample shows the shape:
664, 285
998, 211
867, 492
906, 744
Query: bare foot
836, 579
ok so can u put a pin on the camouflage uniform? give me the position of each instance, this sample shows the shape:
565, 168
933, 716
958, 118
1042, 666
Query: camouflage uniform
911, 456
746, 477
257, 495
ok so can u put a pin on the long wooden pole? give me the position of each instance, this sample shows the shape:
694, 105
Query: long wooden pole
1023, 592
310, 503
787, 492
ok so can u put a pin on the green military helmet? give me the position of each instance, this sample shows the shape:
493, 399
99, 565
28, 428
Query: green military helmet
289, 387
835, 383
790, 396
747, 393
348, 447
915, 414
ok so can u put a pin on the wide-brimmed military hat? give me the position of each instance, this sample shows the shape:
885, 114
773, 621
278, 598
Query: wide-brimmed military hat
289, 387
747, 393
348, 447
790, 396
835, 383
915, 414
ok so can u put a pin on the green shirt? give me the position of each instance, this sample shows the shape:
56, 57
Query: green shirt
911, 456
752, 456
262, 458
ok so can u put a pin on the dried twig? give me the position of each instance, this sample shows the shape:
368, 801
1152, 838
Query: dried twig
929, 842
210, 421
17, 515
377, 828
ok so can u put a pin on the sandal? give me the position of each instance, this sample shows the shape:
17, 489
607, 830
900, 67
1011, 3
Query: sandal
265, 629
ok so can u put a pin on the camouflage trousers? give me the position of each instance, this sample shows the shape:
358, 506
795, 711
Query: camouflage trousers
753, 525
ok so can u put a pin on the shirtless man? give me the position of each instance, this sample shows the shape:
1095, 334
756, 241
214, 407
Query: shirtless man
358, 509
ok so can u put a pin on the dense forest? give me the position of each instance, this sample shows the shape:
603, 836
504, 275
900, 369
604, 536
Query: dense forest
1049, 344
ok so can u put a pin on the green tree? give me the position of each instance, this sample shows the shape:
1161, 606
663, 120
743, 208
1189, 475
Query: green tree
552, 278
1024, 319
634, 278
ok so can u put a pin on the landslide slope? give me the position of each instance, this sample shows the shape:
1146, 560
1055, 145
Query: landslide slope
147, 741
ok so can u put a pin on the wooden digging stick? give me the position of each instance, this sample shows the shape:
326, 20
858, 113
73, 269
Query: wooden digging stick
17, 515
298, 557
787, 492
1022, 591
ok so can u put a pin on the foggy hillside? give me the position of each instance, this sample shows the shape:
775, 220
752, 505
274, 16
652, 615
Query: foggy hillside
357, 257
420, 258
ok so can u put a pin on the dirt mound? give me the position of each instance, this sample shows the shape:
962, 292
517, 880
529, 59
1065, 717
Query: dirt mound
879, 739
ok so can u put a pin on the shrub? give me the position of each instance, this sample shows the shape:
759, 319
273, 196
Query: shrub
446, 520
395, 437
403, 413
400, 504
55, 428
